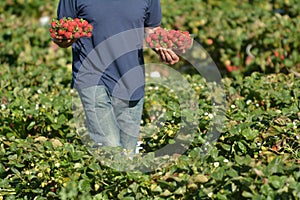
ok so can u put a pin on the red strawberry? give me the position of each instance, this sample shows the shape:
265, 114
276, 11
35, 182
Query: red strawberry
85, 23
64, 25
51, 30
68, 35
79, 24
151, 45
53, 24
80, 29
61, 32
170, 44
148, 40
153, 36
89, 27
76, 20
70, 28
62, 21
77, 35
89, 34
53, 35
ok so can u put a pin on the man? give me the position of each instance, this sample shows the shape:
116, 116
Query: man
108, 68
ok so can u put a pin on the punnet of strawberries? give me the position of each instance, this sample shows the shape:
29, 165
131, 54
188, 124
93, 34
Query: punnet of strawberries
69, 28
169, 39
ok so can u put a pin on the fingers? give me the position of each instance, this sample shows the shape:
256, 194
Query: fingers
168, 56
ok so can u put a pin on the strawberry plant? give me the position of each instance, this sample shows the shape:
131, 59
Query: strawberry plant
257, 155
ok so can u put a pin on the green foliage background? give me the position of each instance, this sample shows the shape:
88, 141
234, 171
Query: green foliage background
256, 157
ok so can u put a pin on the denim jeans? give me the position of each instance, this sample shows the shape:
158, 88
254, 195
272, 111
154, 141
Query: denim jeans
111, 121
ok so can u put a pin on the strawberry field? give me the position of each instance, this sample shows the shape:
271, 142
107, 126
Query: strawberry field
255, 45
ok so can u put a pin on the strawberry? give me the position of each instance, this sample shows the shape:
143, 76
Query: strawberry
89, 27
53, 24
70, 28
64, 25
53, 35
61, 32
77, 35
89, 34
68, 35
148, 40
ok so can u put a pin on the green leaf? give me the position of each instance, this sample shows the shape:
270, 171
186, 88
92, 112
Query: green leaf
180, 190
2, 170
84, 186
232, 173
128, 198
218, 174
249, 134
247, 194
226, 147
267, 190
95, 167
31, 125
156, 188
276, 181
242, 147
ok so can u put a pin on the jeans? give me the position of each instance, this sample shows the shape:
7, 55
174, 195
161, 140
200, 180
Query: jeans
111, 121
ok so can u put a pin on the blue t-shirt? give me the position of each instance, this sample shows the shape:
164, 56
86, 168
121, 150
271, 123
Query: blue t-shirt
113, 56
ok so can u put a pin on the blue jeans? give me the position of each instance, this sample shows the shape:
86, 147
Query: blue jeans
111, 121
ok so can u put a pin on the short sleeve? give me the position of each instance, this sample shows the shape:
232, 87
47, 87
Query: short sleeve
154, 14
67, 8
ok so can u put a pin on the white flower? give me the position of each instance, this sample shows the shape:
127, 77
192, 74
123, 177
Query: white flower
210, 195
27, 172
248, 101
216, 164
210, 116
225, 160
44, 20
232, 106
96, 186
77, 165
57, 165
155, 74
3, 106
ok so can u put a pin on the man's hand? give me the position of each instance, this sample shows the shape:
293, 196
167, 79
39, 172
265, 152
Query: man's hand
167, 55
64, 43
